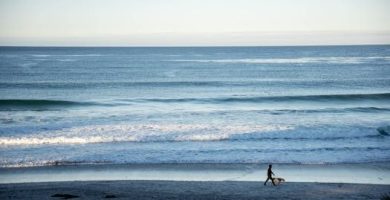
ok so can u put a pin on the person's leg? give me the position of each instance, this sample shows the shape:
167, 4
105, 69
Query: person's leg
266, 181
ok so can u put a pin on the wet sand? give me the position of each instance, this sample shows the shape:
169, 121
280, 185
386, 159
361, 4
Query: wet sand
195, 181
367, 173
189, 190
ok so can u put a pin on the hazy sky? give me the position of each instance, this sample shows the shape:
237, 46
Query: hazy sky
193, 22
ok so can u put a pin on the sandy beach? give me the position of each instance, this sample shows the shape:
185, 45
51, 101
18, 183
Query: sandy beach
195, 181
189, 190
366, 173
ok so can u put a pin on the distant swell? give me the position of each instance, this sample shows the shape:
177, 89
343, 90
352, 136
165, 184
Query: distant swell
325, 97
298, 60
174, 84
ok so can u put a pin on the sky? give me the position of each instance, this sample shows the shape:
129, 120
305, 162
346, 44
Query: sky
193, 22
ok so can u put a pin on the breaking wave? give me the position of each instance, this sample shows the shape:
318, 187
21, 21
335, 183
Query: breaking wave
138, 133
181, 132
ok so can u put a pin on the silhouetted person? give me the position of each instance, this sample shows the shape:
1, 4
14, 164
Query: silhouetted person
269, 175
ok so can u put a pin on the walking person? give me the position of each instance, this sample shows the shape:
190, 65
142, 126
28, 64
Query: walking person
269, 175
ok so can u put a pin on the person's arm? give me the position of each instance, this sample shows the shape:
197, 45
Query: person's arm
272, 173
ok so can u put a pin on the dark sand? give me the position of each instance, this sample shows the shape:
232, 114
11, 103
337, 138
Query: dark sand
189, 190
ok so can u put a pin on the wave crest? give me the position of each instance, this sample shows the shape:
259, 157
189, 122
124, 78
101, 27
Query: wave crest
323, 97
31, 104
138, 133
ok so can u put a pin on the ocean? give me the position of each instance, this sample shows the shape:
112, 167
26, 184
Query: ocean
141, 105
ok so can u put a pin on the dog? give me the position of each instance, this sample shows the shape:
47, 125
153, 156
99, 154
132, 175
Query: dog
278, 180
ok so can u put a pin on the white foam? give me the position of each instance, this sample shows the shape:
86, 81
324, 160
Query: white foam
28, 64
136, 133
66, 55
41, 55
66, 60
302, 60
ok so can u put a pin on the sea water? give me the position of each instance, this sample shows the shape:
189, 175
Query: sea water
302, 105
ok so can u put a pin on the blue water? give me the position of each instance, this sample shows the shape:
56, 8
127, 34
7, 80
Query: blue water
194, 105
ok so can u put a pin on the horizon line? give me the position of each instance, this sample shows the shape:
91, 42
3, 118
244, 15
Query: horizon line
190, 46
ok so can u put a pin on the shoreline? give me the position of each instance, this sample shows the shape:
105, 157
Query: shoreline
143, 190
362, 173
